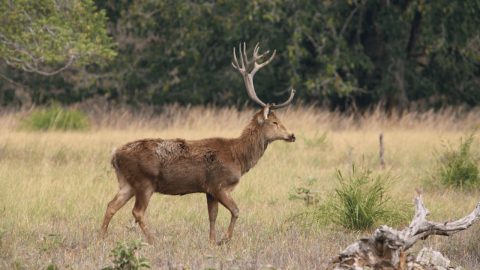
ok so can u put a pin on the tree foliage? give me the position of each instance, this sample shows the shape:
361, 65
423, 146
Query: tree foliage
47, 36
395, 51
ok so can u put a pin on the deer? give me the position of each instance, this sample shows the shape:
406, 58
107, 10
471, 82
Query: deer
213, 166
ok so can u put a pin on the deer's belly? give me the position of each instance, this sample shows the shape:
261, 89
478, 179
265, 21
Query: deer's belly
178, 179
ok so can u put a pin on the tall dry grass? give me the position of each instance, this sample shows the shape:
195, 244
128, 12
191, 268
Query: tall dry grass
54, 188
109, 116
175, 116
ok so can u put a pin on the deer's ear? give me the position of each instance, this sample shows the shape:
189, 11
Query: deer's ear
264, 116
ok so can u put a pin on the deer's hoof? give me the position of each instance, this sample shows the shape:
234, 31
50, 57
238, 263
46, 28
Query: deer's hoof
150, 240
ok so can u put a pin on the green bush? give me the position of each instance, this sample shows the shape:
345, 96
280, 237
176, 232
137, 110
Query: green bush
125, 257
56, 118
359, 202
459, 169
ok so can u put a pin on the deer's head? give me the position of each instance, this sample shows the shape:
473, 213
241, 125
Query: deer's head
268, 124
271, 127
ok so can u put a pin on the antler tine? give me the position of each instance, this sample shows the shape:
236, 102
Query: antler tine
249, 64
274, 107
257, 66
241, 57
237, 67
241, 68
255, 51
245, 54
248, 77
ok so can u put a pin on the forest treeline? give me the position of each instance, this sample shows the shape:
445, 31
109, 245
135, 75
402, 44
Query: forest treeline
336, 53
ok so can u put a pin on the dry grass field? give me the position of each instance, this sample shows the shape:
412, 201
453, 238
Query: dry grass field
55, 186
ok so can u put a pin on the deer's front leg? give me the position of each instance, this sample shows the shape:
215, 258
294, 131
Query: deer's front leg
226, 200
212, 216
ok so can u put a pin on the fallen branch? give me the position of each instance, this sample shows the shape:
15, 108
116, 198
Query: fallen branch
386, 248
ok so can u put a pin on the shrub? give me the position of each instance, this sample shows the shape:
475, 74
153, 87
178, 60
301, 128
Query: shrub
56, 118
125, 257
359, 202
459, 169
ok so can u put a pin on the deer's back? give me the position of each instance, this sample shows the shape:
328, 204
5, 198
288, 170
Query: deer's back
178, 166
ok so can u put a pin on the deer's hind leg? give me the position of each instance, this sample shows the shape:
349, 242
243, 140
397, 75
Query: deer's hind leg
212, 216
124, 194
142, 198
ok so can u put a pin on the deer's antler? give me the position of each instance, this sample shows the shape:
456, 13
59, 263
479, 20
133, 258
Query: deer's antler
248, 77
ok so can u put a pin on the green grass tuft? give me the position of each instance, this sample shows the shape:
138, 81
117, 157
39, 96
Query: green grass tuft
358, 203
56, 118
459, 169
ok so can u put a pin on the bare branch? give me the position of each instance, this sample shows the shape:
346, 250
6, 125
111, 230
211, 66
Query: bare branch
7, 41
318, 48
348, 20
354, 88
28, 16
28, 68
51, 32
420, 228
360, 19
10, 80
323, 83
387, 245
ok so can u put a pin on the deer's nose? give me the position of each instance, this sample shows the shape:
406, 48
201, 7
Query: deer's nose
293, 137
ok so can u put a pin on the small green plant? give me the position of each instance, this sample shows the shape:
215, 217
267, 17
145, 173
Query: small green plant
359, 202
50, 241
459, 169
125, 258
310, 196
51, 267
16, 265
316, 141
56, 118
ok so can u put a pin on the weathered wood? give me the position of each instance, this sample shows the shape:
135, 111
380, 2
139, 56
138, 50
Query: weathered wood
386, 248
382, 159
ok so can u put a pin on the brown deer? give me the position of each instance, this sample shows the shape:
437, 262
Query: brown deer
213, 166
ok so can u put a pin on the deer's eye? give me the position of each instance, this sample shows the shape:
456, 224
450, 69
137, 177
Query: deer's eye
275, 123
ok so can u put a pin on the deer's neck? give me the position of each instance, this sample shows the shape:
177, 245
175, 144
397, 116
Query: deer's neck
249, 148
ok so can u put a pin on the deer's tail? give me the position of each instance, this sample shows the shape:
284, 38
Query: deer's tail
114, 158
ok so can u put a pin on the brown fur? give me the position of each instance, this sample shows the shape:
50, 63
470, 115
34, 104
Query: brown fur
177, 167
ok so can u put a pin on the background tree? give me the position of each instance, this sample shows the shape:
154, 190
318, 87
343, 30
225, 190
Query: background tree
46, 37
334, 52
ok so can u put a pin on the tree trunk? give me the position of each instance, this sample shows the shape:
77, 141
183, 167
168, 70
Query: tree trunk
398, 75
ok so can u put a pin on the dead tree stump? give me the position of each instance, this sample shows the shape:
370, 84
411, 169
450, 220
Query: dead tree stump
382, 159
385, 249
